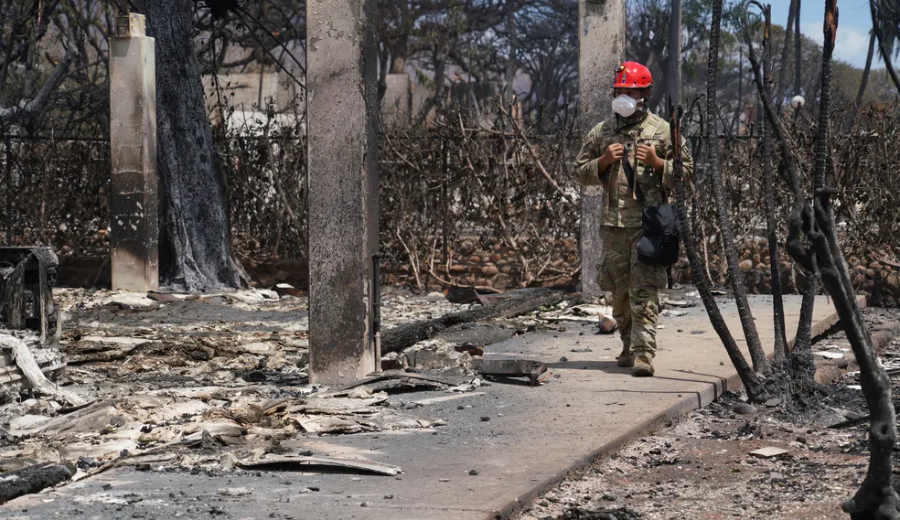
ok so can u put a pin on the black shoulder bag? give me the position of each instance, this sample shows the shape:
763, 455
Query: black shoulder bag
659, 245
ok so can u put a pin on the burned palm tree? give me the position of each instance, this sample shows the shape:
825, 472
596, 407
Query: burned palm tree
876, 497
757, 354
769, 190
756, 390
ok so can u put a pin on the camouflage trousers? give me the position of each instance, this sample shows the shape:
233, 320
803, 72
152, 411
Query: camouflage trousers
634, 286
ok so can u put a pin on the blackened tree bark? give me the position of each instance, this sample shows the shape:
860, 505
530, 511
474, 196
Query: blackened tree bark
865, 75
673, 63
798, 51
893, 18
757, 354
195, 234
788, 31
755, 389
876, 497
801, 353
769, 187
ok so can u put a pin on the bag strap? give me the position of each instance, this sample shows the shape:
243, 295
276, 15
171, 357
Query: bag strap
633, 185
648, 133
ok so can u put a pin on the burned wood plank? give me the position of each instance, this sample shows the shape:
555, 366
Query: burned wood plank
49, 361
399, 338
371, 382
33, 479
302, 463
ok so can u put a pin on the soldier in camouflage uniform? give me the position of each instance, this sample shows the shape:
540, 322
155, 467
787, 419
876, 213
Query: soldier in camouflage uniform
645, 140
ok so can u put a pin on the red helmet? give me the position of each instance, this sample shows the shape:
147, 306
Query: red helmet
631, 74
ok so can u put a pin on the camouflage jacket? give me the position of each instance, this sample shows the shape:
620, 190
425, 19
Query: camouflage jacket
620, 207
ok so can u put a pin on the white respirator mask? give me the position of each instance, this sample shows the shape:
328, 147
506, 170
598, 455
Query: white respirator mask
625, 106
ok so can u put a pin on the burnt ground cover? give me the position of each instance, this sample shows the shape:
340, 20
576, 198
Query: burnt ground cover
702, 466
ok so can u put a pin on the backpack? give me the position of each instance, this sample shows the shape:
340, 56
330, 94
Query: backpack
660, 243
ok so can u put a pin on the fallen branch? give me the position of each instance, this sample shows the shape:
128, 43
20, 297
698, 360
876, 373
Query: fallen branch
399, 338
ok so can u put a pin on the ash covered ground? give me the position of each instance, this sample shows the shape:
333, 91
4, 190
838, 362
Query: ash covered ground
702, 467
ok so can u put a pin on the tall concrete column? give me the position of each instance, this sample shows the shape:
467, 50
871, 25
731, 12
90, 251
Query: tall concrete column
343, 187
134, 234
601, 41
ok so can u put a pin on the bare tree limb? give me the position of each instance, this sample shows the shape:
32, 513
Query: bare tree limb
29, 109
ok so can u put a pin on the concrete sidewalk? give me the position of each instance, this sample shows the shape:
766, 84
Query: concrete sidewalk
519, 439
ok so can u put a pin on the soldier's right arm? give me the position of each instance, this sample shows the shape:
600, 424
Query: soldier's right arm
586, 166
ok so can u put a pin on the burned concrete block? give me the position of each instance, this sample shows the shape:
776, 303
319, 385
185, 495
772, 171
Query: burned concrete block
27, 278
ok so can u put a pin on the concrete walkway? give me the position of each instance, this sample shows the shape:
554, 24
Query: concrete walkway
520, 440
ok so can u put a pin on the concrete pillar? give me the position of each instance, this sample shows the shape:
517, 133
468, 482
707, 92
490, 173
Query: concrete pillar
134, 234
343, 187
601, 39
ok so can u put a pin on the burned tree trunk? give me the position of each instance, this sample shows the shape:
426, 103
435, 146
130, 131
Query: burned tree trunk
798, 51
757, 354
195, 234
885, 55
769, 187
876, 497
755, 389
801, 354
788, 31
407, 335
33, 479
673, 63
865, 75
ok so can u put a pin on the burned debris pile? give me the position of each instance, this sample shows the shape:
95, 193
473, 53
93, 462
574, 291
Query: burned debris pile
29, 321
217, 383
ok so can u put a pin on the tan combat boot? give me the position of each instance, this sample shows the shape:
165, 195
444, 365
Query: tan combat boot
624, 359
643, 365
